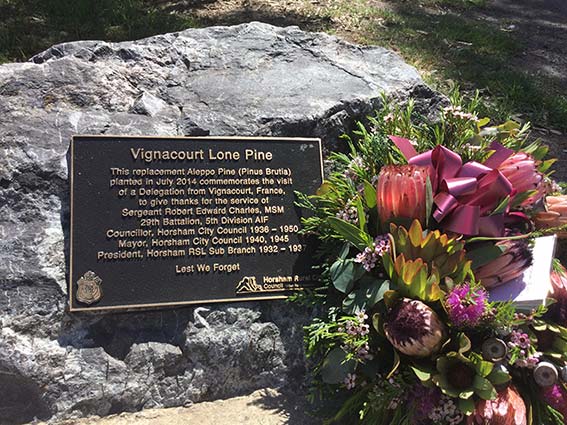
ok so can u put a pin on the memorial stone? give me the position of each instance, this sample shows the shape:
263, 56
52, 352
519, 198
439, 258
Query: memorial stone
247, 80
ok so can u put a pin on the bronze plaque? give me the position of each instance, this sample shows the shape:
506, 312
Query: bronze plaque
189, 220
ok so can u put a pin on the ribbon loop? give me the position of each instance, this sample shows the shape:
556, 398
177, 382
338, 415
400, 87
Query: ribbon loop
465, 194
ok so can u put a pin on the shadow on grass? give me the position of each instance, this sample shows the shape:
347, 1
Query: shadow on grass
30, 26
247, 11
477, 55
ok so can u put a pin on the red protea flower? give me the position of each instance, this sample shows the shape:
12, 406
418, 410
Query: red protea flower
521, 170
401, 192
507, 408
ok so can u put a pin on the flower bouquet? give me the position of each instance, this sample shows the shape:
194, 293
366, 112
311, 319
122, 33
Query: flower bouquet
418, 224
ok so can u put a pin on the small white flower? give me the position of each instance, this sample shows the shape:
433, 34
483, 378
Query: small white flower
350, 381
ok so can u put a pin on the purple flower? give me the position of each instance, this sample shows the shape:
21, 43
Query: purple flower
348, 213
413, 328
520, 339
363, 353
466, 305
556, 397
369, 257
424, 401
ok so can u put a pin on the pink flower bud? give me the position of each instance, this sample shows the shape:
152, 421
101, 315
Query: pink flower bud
401, 192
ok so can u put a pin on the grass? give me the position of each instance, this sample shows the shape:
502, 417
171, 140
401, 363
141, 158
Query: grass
451, 48
30, 26
440, 37
474, 55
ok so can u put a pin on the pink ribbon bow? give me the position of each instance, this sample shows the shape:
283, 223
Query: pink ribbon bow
464, 194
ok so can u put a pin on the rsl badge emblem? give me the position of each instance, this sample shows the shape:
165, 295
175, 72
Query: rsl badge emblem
89, 289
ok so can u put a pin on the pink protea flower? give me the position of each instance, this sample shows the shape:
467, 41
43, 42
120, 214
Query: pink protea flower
521, 170
513, 261
556, 397
558, 310
507, 408
559, 280
466, 305
414, 329
555, 214
401, 192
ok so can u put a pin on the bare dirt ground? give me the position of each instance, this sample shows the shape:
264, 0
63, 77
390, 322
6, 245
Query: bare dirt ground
263, 407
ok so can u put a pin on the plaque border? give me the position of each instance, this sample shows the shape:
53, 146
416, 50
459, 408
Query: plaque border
170, 303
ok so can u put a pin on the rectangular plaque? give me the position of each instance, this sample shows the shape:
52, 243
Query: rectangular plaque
173, 221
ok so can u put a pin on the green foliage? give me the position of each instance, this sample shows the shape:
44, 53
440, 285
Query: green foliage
419, 264
414, 278
366, 296
420, 261
345, 230
433, 247
477, 373
336, 367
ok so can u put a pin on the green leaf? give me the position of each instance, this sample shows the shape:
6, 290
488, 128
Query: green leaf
326, 187
508, 126
484, 253
361, 214
422, 375
537, 150
415, 233
395, 365
388, 264
370, 291
350, 233
464, 343
483, 121
335, 367
521, 197
545, 165
466, 405
498, 376
377, 323
483, 368
483, 388
502, 206
391, 297
369, 195
344, 273
464, 395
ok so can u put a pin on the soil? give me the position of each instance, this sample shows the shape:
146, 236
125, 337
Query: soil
263, 407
